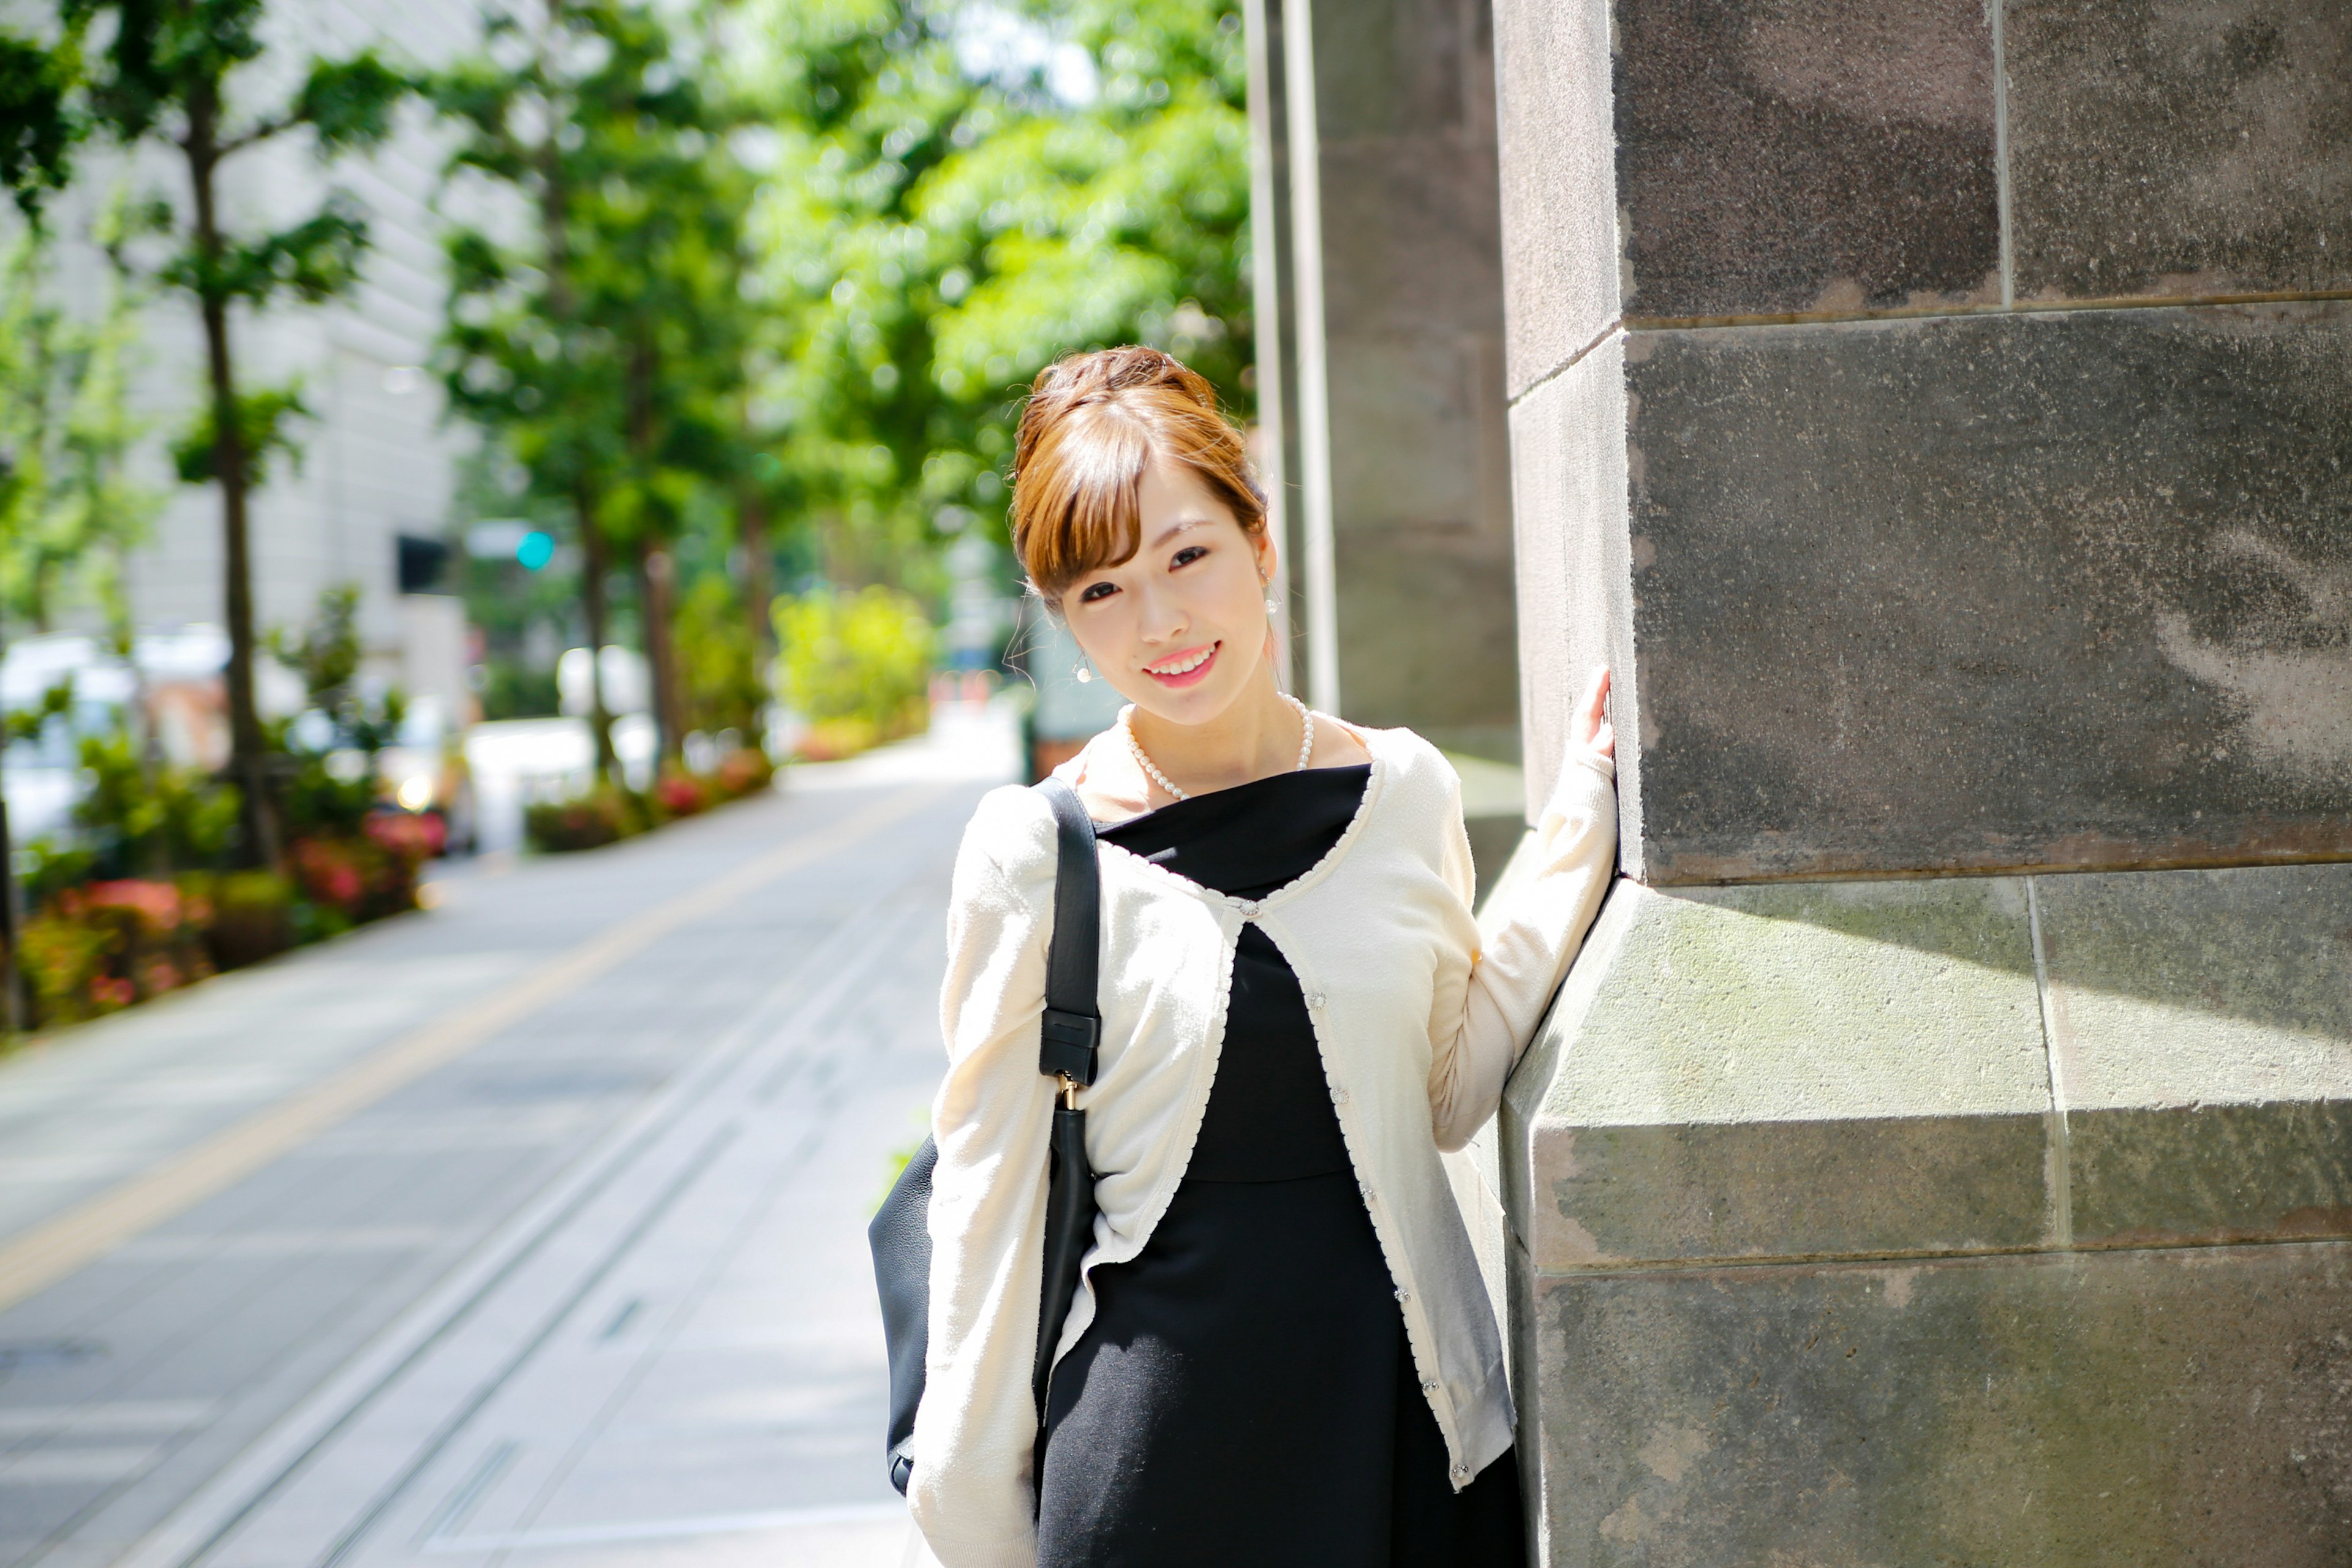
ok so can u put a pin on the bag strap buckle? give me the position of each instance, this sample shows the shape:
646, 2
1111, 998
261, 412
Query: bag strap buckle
1066, 1046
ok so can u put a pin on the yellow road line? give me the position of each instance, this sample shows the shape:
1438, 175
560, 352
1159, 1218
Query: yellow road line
89, 1230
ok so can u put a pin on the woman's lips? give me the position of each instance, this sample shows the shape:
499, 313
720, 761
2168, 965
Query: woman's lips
1192, 676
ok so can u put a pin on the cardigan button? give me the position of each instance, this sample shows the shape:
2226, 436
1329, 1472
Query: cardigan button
1461, 1472
1338, 1096
1316, 1001
1429, 1388
1404, 1295
1246, 905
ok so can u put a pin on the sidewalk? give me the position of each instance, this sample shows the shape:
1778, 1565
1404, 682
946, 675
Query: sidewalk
592, 1286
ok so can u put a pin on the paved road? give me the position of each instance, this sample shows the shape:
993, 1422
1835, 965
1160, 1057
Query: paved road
526, 1230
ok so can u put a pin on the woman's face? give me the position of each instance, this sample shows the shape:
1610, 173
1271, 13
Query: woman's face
1179, 629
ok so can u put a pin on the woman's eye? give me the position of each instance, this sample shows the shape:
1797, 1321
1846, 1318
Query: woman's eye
1096, 591
1189, 554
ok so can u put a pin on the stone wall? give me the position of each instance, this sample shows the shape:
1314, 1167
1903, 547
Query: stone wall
1940, 416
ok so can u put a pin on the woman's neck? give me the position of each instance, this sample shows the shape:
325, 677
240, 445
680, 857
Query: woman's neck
1257, 736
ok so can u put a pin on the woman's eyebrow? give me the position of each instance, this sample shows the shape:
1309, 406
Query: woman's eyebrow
1173, 529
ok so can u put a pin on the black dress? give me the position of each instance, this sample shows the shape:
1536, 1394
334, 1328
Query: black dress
1244, 1395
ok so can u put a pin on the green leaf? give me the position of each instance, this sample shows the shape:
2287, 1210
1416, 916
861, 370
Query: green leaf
263, 420
350, 103
37, 128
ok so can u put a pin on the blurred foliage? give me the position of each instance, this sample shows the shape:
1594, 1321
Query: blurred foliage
936, 224
723, 687
796, 261
330, 784
137, 817
602, 349
859, 662
70, 510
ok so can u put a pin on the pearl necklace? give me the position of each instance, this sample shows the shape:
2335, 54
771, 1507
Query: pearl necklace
1305, 745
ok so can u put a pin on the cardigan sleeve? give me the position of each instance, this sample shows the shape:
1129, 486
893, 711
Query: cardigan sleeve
970, 1491
1525, 946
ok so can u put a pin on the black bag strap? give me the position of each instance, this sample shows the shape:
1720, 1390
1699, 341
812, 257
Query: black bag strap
1072, 1027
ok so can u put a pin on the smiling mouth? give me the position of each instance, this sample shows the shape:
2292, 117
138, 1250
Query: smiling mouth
1186, 668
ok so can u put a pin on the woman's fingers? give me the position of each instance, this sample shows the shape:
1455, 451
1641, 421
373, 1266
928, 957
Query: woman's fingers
1591, 730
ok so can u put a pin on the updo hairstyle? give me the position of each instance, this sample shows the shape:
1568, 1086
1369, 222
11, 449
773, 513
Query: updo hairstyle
1093, 426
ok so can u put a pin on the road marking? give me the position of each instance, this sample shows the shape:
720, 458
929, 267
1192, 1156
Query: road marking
90, 1231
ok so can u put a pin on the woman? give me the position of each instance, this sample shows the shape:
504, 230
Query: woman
1283, 1352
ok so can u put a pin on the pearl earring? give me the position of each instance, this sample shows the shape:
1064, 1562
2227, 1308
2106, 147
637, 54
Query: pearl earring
1082, 670
1273, 606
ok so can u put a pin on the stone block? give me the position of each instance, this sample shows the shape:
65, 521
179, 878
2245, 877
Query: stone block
2201, 1026
1412, 70
2179, 148
1800, 156
1804, 1070
2048, 590
1557, 154
1575, 569
1409, 417
1409, 240
2178, 1408
1427, 638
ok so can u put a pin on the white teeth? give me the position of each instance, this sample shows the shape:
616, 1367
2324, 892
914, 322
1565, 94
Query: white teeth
1188, 666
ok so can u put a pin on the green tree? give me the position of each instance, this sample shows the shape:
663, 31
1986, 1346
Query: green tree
604, 352
937, 227
164, 75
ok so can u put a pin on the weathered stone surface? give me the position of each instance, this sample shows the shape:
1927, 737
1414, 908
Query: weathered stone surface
1418, 438
2202, 1028
1415, 69
2182, 1408
2180, 147
1804, 1070
1575, 570
1411, 240
1429, 642
2065, 589
1790, 155
1412, 320
1558, 182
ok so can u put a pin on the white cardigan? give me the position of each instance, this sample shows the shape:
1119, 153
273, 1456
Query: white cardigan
1420, 1020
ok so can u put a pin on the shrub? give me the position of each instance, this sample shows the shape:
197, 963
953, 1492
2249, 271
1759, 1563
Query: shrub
103, 947
253, 917
744, 771
679, 794
864, 657
137, 816
603, 815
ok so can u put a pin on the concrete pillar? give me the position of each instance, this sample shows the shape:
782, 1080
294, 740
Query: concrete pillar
1940, 414
1381, 360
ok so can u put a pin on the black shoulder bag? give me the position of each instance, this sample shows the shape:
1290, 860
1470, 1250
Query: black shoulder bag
900, 1234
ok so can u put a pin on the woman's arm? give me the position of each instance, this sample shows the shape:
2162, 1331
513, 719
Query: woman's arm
970, 1491
1526, 945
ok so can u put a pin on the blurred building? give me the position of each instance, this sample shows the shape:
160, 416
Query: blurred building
368, 501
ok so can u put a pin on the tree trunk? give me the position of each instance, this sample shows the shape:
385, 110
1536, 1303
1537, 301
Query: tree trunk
594, 568
12, 923
657, 574
758, 600
248, 761
758, 574
658, 587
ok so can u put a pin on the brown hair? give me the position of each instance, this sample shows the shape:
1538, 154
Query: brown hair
1094, 424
